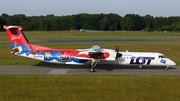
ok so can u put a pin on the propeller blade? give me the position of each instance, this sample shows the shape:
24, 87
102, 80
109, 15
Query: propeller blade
117, 52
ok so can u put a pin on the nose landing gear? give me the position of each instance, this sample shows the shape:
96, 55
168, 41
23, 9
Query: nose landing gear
166, 68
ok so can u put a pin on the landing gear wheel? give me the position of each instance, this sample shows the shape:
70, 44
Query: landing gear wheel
91, 69
166, 68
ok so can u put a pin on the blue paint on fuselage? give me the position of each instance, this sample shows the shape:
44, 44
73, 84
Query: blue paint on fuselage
48, 55
25, 49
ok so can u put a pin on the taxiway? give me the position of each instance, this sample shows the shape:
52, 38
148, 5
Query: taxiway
93, 40
84, 70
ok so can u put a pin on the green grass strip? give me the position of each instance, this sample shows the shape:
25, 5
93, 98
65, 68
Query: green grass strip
89, 88
115, 34
6, 41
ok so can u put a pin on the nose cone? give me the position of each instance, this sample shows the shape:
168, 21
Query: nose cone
171, 63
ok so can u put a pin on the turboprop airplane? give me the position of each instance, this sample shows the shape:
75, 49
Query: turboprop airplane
92, 56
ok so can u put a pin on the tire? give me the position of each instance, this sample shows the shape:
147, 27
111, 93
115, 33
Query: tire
91, 70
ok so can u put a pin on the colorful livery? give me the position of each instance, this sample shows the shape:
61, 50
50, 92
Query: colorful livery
93, 56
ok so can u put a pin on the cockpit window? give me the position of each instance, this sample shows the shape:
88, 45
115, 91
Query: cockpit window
162, 56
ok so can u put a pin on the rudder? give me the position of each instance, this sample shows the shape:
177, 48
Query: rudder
17, 39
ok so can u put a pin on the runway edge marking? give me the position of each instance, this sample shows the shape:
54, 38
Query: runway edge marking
58, 71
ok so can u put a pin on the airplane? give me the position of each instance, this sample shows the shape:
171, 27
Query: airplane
93, 56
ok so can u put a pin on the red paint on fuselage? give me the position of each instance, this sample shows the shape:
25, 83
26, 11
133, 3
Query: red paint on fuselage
16, 36
70, 52
103, 55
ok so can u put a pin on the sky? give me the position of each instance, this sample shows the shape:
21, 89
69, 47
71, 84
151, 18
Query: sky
156, 8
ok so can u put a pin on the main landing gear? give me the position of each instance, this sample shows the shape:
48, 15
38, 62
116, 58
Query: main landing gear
91, 69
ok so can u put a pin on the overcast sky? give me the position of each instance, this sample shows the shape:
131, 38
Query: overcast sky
155, 8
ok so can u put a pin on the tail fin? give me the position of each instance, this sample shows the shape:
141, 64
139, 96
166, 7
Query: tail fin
17, 39
20, 44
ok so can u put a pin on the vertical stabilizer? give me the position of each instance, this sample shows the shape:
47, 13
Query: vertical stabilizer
17, 38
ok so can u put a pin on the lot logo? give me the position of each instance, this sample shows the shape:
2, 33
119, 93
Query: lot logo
141, 60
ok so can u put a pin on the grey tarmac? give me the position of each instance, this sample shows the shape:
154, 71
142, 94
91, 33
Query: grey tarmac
93, 40
84, 70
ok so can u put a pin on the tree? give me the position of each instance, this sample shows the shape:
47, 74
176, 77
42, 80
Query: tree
55, 24
50, 16
4, 16
35, 23
95, 22
2, 23
12, 20
72, 23
176, 26
64, 25
91, 21
127, 23
148, 21
104, 24
114, 21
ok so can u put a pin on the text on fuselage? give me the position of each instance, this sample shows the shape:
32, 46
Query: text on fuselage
141, 60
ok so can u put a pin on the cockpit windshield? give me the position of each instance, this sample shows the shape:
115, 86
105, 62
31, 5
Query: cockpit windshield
162, 56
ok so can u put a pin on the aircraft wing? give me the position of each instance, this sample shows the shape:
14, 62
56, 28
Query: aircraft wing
97, 53
95, 50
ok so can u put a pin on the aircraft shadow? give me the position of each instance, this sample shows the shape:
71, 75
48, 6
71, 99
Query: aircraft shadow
111, 68
98, 67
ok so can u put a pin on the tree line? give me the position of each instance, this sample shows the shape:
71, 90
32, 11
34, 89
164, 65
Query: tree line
112, 22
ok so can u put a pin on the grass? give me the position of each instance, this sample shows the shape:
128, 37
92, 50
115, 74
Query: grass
115, 34
89, 88
170, 49
6, 41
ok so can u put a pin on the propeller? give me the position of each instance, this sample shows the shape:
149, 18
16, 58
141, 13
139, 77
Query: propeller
117, 52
